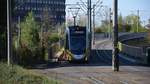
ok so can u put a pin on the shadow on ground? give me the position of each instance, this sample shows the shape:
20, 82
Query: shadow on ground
98, 58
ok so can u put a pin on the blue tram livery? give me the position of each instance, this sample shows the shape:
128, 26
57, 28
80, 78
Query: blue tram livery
76, 43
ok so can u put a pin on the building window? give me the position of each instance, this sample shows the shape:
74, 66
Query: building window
56, 8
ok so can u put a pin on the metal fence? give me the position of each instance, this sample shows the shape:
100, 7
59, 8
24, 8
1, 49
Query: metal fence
130, 36
138, 53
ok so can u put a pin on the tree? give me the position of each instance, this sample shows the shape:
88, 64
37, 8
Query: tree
104, 26
122, 26
120, 23
132, 20
29, 50
29, 32
98, 30
135, 22
148, 26
46, 21
46, 30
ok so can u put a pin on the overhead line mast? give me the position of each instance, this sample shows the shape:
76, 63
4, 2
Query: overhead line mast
115, 61
74, 14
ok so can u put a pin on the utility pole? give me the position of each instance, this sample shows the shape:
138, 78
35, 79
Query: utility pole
19, 31
90, 24
138, 17
110, 23
74, 18
93, 24
9, 35
115, 60
106, 20
74, 14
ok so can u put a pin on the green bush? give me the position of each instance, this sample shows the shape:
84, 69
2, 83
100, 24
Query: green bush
34, 44
29, 50
28, 57
53, 38
16, 75
25, 56
98, 30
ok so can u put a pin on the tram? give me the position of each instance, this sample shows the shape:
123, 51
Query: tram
76, 43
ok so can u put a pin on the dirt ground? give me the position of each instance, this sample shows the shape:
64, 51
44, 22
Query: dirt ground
98, 74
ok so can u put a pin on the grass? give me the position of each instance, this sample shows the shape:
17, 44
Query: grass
14, 74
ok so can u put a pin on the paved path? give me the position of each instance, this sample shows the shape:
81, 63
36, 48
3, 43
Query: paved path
103, 44
98, 70
99, 75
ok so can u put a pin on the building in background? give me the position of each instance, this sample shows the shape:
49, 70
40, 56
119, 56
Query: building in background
3, 29
55, 9
3, 11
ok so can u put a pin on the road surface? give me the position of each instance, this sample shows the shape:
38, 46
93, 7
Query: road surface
98, 70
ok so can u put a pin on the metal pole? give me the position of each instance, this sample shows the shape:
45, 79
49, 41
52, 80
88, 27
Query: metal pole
109, 23
106, 18
88, 14
89, 25
74, 17
59, 33
8, 34
138, 20
93, 24
90, 22
115, 60
19, 31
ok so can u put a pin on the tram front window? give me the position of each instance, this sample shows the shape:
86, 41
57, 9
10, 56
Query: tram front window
77, 44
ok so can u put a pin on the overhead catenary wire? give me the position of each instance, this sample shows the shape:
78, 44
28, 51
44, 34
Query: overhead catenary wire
98, 4
82, 8
84, 4
74, 13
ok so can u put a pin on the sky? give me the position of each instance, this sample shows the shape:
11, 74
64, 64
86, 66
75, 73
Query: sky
126, 7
